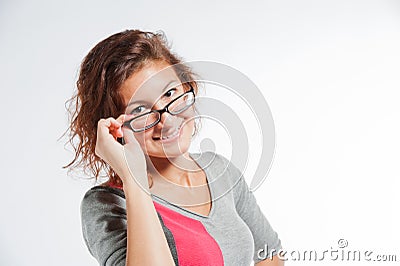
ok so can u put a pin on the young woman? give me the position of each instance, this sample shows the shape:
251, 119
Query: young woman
132, 118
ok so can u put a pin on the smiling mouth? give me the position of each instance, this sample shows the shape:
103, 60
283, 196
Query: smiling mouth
171, 135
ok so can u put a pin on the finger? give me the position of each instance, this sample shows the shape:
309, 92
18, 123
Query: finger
121, 119
116, 132
116, 126
115, 123
109, 123
103, 126
106, 122
109, 126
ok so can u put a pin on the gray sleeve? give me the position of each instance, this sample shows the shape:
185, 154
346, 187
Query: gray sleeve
104, 224
265, 237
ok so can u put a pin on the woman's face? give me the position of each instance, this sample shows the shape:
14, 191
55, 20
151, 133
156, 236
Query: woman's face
144, 91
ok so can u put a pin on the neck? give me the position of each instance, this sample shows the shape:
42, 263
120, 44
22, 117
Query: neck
175, 170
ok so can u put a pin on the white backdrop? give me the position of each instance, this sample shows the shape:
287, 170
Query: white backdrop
328, 69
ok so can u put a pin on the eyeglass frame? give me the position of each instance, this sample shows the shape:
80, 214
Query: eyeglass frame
161, 111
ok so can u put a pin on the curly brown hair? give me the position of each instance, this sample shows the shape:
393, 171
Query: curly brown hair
102, 72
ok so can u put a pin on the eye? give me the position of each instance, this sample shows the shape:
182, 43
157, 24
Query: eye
138, 110
170, 92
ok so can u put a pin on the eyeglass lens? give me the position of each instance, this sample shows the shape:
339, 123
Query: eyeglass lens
175, 107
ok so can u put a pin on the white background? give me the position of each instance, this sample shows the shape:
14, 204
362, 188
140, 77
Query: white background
328, 69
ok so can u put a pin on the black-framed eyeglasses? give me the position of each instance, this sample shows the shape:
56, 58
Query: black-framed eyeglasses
150, 119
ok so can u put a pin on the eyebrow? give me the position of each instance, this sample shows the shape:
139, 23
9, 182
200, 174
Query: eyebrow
163, 90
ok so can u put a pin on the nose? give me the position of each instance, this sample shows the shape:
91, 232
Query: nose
165, 118
168, 121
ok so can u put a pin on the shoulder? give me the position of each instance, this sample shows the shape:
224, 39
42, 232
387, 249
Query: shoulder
102, 197
104, 223
220, 164
210, 159
219, 168
103, 190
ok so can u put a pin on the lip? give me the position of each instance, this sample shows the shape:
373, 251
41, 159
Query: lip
172, 139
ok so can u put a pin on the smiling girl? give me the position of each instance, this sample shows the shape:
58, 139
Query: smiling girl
133, 118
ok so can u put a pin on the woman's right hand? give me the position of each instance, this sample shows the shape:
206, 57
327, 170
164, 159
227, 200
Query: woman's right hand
128, 160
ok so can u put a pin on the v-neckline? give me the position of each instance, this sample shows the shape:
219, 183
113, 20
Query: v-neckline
166, 202
212, 201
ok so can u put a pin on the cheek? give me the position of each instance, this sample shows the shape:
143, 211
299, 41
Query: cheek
188, 131
189, 114
146, 141
189, 126
142, 137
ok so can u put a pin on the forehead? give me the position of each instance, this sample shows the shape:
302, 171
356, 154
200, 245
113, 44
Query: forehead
148, 83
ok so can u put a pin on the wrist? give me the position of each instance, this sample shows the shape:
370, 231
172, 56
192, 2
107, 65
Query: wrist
132, 185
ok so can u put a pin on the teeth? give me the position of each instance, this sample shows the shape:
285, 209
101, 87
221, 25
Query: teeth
172, 135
